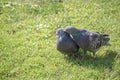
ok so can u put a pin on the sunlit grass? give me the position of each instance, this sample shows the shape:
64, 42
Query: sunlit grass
28, 39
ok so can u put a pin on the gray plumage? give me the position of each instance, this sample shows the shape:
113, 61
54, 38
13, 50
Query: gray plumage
65, 43
88, 41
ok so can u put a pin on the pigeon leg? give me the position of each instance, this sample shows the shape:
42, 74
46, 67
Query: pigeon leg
75, 55
65, 56
93, 56
84, 54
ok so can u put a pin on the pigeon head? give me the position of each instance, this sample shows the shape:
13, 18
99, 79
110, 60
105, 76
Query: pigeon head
74, 32
60, 32
71, 30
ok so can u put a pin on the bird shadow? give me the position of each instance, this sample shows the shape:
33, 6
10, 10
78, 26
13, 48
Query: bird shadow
99, 62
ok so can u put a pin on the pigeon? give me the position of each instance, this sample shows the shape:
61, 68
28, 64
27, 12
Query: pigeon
87, 40
65, 43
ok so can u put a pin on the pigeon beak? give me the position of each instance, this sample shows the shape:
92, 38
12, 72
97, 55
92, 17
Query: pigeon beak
56, 33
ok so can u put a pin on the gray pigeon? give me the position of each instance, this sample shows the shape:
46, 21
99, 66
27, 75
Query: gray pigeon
65, 43
88, 41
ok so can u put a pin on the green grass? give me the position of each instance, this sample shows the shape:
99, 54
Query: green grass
28, 39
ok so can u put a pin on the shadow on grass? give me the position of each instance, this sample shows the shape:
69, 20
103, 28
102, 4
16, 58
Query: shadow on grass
105, 61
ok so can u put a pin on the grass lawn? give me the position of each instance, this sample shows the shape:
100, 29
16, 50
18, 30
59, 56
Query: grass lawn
28, 39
